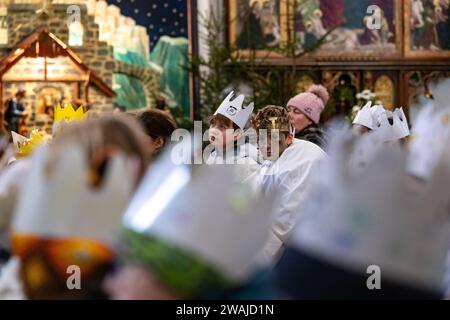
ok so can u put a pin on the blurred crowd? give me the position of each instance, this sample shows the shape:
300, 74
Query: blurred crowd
110, 207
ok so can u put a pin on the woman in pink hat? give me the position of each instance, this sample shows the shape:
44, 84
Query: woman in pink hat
304, 111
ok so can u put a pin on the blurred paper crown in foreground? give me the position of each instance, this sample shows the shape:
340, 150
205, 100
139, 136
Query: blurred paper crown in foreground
378, 216
431, 133
192, 241
61, 220
64, 204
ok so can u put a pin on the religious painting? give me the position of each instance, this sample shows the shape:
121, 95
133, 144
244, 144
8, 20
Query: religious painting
427, 28
350, 28
257, 25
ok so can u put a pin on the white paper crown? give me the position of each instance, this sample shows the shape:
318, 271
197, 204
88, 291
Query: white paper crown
65, 205
399, 128
364, 116
234, 109
203, 213
357, 219
376, 118
431, 133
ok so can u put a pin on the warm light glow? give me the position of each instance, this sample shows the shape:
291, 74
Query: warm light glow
19, 51
58, 69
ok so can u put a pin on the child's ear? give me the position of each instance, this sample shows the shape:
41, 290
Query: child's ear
289, 138
159, 142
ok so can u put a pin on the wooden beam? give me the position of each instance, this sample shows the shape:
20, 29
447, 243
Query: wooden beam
62, 79
86, 87
78, 90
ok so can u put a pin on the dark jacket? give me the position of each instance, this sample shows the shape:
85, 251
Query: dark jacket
314, 134
15, 110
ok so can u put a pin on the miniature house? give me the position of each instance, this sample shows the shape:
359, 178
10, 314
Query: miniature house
58, 59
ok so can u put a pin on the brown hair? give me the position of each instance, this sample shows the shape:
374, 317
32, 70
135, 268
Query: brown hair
157, 123
115, 130
223, 120
20, 93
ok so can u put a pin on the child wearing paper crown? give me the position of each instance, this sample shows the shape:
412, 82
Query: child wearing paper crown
304, 112
226, 135
288, 166
388, 125
70, 207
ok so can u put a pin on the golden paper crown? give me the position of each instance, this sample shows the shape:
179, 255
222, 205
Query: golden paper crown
273, 123
24, 146
69, 114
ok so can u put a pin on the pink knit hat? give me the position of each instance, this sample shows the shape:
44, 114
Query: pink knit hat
312, 102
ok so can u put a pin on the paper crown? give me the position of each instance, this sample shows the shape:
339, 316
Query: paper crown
174, 205
24, 146
377, 118
430, 133
364, 116
375, 217
69, 114
234, 109
274, 123
65, 205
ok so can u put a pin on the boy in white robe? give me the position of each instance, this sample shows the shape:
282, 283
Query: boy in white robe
288, 167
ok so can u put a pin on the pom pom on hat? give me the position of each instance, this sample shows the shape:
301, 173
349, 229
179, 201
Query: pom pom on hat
321, 92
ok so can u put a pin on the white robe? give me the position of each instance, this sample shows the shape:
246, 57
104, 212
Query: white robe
290, 176
245, 158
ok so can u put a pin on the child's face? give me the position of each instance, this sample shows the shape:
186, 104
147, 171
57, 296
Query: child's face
222, 135
272, 143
